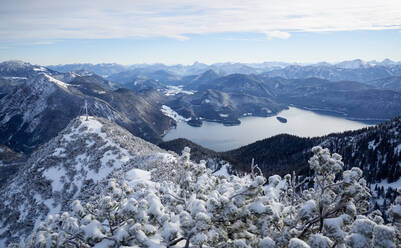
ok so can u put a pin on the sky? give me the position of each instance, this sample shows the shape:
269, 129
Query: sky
184, 31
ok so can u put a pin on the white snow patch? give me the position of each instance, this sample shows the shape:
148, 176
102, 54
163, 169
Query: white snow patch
174, 90
138, 176
385, 184
372, 145
15, 78
58, 82
54, 174
223, 171
59, 152
167, 111
39, 69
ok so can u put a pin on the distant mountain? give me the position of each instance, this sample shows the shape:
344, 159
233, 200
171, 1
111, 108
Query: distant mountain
234, 83
232, 68
348, 99
129, 77
227, 98
69, 167
198, 81
353, 64
104, 69
351, 71
38, 108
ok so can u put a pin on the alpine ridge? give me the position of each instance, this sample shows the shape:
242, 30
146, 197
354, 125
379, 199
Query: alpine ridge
69, 167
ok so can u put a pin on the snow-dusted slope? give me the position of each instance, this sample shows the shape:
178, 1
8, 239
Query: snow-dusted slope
34, 110
66, 167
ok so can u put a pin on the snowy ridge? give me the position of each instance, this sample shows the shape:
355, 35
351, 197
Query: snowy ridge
83, 154
58, 82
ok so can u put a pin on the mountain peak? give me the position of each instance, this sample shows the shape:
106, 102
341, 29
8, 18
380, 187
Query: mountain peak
69, 166
352, 64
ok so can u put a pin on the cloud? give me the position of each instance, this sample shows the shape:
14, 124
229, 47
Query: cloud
277, 34
79, 19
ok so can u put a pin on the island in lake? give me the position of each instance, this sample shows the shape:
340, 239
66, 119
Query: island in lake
281, 119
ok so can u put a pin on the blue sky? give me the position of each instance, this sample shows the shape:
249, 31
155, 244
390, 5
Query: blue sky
128, 32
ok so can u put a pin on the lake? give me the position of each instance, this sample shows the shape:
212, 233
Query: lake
300, 122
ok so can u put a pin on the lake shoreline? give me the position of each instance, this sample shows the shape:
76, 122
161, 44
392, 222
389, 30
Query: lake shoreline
300, 122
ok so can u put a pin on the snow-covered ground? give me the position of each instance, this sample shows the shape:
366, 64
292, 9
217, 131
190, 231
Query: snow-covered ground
167, 111
395, 185
174, 90
58, 82
223, 171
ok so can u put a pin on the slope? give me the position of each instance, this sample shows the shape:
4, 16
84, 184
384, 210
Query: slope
68, 167
37, 108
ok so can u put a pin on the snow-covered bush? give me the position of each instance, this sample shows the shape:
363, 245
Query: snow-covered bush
194, 208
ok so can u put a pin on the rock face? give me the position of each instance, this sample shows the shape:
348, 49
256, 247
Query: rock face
68, 167
36, 103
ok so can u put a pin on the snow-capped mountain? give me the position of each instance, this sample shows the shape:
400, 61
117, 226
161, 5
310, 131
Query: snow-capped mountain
68, 167
35, 110
353, 64
16, 68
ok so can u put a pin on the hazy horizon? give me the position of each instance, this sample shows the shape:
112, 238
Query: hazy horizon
208, 64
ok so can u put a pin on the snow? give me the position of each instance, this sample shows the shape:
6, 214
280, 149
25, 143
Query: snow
54, 174
58, 82
223, 171
174, 90
167, 111
52, 210
138, 176
93, 230
59, 152
106, 243
39, 69
372, 145
385, 184
15, 78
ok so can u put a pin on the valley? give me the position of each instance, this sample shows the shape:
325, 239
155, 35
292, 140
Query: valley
142, 117
200, 124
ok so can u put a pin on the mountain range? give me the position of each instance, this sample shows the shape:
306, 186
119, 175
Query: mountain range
66, 129
36, 103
